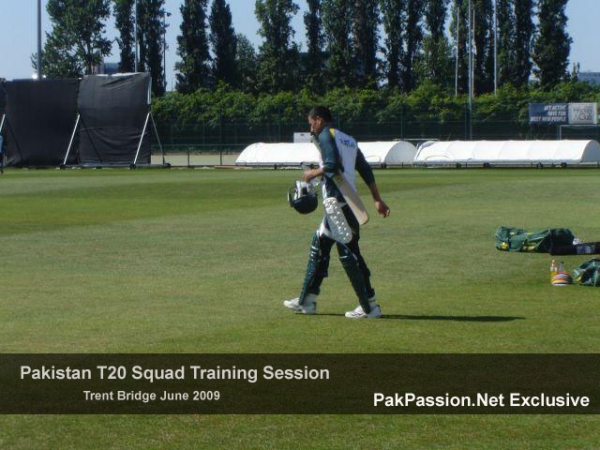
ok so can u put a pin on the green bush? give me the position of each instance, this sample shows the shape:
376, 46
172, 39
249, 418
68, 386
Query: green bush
428, 103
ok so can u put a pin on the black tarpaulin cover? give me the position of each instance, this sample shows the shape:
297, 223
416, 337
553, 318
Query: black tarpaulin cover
2, 110
40, 119
2, 98
113, 111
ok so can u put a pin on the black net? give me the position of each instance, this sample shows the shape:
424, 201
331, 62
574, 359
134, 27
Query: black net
40, 116
113, 112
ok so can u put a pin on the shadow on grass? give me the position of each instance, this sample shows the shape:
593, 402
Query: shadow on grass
446, 318
456, 318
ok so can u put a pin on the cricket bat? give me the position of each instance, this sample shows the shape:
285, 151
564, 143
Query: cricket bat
352, 199
587, 248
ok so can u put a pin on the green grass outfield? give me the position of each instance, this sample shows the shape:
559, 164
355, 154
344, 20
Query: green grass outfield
199, 261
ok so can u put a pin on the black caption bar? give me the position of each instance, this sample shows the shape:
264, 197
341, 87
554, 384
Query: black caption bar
299, 384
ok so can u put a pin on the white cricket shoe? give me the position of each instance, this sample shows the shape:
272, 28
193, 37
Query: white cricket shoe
359, 313
309, 307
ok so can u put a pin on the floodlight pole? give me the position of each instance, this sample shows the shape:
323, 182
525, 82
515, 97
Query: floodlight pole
39, 40
165, 15
457, 11
135, 32
495, 46
165, 51
471, 74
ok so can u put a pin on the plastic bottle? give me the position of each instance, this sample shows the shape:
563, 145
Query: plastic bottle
553, 270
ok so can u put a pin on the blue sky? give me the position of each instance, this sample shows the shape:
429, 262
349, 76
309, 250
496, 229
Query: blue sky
18, 38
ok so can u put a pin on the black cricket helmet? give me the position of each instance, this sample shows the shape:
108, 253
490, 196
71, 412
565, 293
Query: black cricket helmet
302, 197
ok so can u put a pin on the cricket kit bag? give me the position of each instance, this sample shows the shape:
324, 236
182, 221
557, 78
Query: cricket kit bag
588, 274
543, 241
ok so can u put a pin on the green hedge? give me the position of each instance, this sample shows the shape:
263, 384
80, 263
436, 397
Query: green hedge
427, 103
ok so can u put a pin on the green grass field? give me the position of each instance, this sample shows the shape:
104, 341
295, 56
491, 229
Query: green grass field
199, 261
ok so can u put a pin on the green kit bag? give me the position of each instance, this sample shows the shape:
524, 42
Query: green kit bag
517, 240
588, 273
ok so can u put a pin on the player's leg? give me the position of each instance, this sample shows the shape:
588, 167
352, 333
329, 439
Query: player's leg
368, 307
355, 249
359, 274
316, 271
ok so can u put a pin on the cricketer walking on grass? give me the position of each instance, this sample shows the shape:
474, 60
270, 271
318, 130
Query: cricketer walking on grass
340, 159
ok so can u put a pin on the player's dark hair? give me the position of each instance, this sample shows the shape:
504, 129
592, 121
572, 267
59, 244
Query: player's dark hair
322, 112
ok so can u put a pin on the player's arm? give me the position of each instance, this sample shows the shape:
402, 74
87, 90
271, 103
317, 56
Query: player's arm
366, 173
311, 174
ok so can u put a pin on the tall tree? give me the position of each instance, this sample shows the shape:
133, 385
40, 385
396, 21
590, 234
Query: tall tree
155, 28
142, 14
223, 42
483, 38
57, 61
552, 44
77, 43
278, 55
366, 41
524, 31
435, 12
412, 42
393, 19
437, 58
246, 61
459, 29
125, 24
192, 48
337, 25
505, 14
314, 60
151, 31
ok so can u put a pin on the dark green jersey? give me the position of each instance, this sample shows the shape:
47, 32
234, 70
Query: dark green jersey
340, 154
